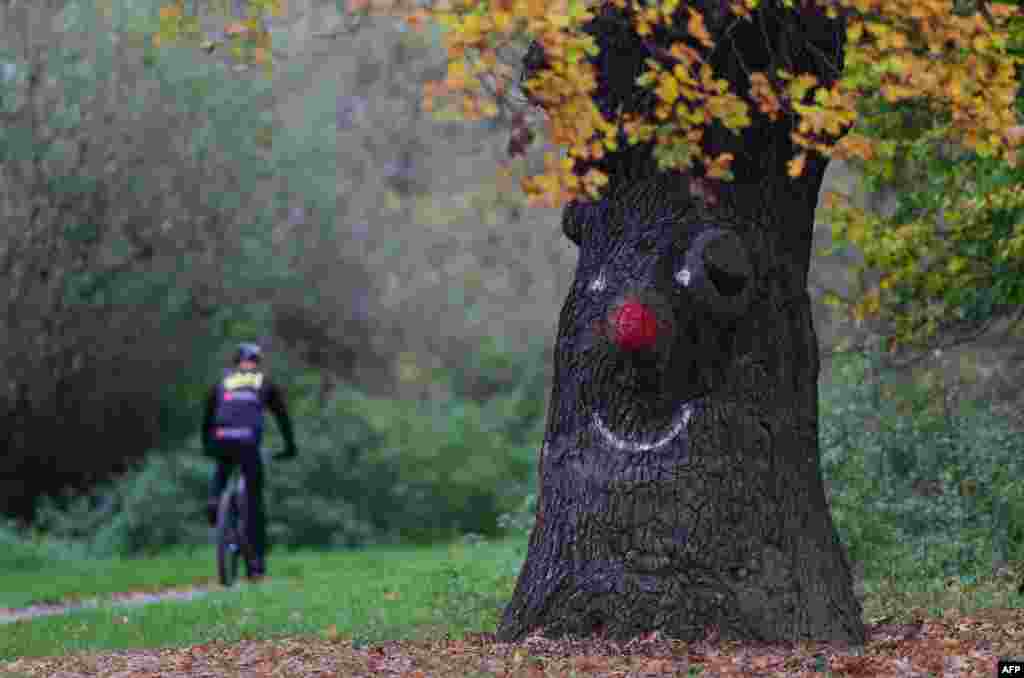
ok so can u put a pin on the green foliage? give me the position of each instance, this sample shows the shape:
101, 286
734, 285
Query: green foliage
961, 207
23, 551
152, 238
140, 513
18, 554
456, 469
370, 470
335, 494
970, 466
515, 388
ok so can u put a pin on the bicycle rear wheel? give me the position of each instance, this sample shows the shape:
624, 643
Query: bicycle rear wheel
229, 538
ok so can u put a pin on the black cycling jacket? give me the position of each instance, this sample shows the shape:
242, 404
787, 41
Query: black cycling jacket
269, 395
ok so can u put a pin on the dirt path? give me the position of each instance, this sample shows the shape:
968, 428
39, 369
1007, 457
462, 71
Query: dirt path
127, 599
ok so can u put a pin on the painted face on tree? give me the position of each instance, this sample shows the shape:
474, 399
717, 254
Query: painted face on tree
679, 482
655, 307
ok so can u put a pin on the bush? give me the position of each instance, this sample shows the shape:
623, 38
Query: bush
920, 494
155, 506
23, 550
453, 468
334, 494
370, 470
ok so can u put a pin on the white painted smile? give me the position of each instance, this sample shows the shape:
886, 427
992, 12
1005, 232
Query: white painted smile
679, 422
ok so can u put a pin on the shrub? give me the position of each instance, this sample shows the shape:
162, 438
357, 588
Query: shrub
25, 550
454, 470
920, 493
370, 470
155, 506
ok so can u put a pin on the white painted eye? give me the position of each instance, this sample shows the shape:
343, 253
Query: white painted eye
683, 277
598, 284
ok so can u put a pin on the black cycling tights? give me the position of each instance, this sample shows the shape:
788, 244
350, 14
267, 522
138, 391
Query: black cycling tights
252, 470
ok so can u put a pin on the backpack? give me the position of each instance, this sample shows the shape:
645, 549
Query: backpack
239, 414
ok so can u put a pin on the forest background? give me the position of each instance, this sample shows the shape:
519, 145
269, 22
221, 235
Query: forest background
407, 293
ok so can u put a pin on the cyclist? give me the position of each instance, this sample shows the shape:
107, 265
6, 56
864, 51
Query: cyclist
232, 430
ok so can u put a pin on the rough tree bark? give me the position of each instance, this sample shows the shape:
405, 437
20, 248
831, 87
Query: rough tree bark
680, 483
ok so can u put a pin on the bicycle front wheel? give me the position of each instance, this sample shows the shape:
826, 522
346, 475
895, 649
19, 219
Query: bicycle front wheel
229, 539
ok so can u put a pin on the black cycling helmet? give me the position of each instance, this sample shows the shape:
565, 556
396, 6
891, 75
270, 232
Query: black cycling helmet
248, 351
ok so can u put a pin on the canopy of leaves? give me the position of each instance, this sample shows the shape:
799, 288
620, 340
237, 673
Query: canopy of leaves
954, 66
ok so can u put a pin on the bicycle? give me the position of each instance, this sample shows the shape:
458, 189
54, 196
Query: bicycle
232, 544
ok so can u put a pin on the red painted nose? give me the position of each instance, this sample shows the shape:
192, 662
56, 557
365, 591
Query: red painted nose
634, 326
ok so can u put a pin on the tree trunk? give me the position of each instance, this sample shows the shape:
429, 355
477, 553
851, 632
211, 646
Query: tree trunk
680, 483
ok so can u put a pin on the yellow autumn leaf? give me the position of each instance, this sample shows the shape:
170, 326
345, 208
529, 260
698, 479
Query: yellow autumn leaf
456, 74
695, 116
954, 89
502, 21
800, 85
683, 75
973, 88
877, 29
795, 167
473, 25
684, 53
559, 20
707, 74
854, 31
596, 177
668, 88
695, 27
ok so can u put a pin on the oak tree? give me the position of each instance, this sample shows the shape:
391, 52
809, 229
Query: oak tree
680, 483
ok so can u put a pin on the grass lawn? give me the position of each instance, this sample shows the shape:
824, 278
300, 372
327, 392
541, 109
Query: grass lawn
421, 610
66, 580
371, 595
